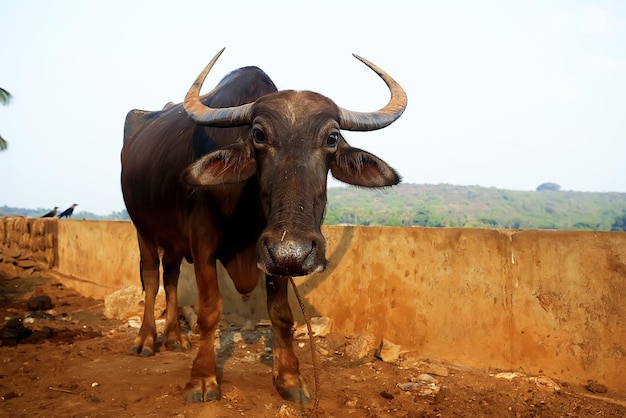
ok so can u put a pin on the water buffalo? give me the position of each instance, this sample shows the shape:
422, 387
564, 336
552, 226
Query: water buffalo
239, 175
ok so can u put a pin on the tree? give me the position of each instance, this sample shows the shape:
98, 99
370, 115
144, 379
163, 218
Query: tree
5, 98
553, 187
620, 223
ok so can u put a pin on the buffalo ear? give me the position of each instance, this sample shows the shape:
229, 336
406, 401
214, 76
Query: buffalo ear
231, 164
360, 168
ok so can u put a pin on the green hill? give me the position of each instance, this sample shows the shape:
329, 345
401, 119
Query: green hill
8, 211
446, 205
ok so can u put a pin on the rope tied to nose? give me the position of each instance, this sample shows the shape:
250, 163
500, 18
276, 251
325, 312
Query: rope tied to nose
316, 401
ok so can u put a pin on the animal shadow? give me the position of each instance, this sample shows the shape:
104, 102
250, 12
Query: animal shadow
232, 339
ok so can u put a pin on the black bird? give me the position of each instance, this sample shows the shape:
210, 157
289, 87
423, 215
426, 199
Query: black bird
68, 212
51, 214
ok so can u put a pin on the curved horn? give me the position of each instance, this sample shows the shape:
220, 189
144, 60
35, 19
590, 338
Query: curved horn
369, 121
220, 117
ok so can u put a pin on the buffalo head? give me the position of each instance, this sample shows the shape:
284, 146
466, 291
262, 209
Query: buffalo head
294, 139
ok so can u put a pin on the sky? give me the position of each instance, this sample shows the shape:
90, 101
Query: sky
506, 94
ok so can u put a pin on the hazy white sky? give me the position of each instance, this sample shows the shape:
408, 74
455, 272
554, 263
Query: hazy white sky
505, 94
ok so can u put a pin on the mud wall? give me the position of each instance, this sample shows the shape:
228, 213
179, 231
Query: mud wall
98, 257
544, 302
27, 245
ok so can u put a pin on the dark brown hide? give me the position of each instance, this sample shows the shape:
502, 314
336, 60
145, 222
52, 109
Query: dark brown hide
252, 196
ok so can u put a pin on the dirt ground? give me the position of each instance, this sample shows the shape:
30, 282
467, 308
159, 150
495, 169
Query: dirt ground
74, 363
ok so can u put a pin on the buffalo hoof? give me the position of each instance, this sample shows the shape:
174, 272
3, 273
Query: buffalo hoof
297, 395
199, 390
178, 345
145, 351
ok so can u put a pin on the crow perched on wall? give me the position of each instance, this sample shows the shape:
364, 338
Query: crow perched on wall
51, 214
68, 212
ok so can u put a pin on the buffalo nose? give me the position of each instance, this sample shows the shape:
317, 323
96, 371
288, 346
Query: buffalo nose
285, 255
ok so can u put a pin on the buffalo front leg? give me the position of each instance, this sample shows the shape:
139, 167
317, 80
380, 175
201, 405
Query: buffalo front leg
203, 386
290, 385
145, 343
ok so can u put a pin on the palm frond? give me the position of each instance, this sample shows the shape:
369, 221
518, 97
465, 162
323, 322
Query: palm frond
5, 96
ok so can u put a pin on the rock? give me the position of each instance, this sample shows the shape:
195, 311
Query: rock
9, 270
134, 321
422, 385
11, 252
359, 347
545, 383
264, 323
27, 272
9, 260
287, 411
129, 302
435, 368
320, 326
25, 254
39, 303
40, 315
42, 259
542, 382
351, 403
26, 263
160, 325
14, 331
595, 387
411, 360
236, 337
322, 350
39, 335
387, 351
509, 375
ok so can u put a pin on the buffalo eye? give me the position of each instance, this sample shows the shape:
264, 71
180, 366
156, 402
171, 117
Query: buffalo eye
331, 140
258, 136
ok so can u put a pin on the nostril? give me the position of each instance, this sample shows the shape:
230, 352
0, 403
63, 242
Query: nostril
293, 250
270, 248
290, 254
287, 250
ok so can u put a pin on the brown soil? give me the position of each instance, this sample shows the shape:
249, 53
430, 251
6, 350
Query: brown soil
75, 364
